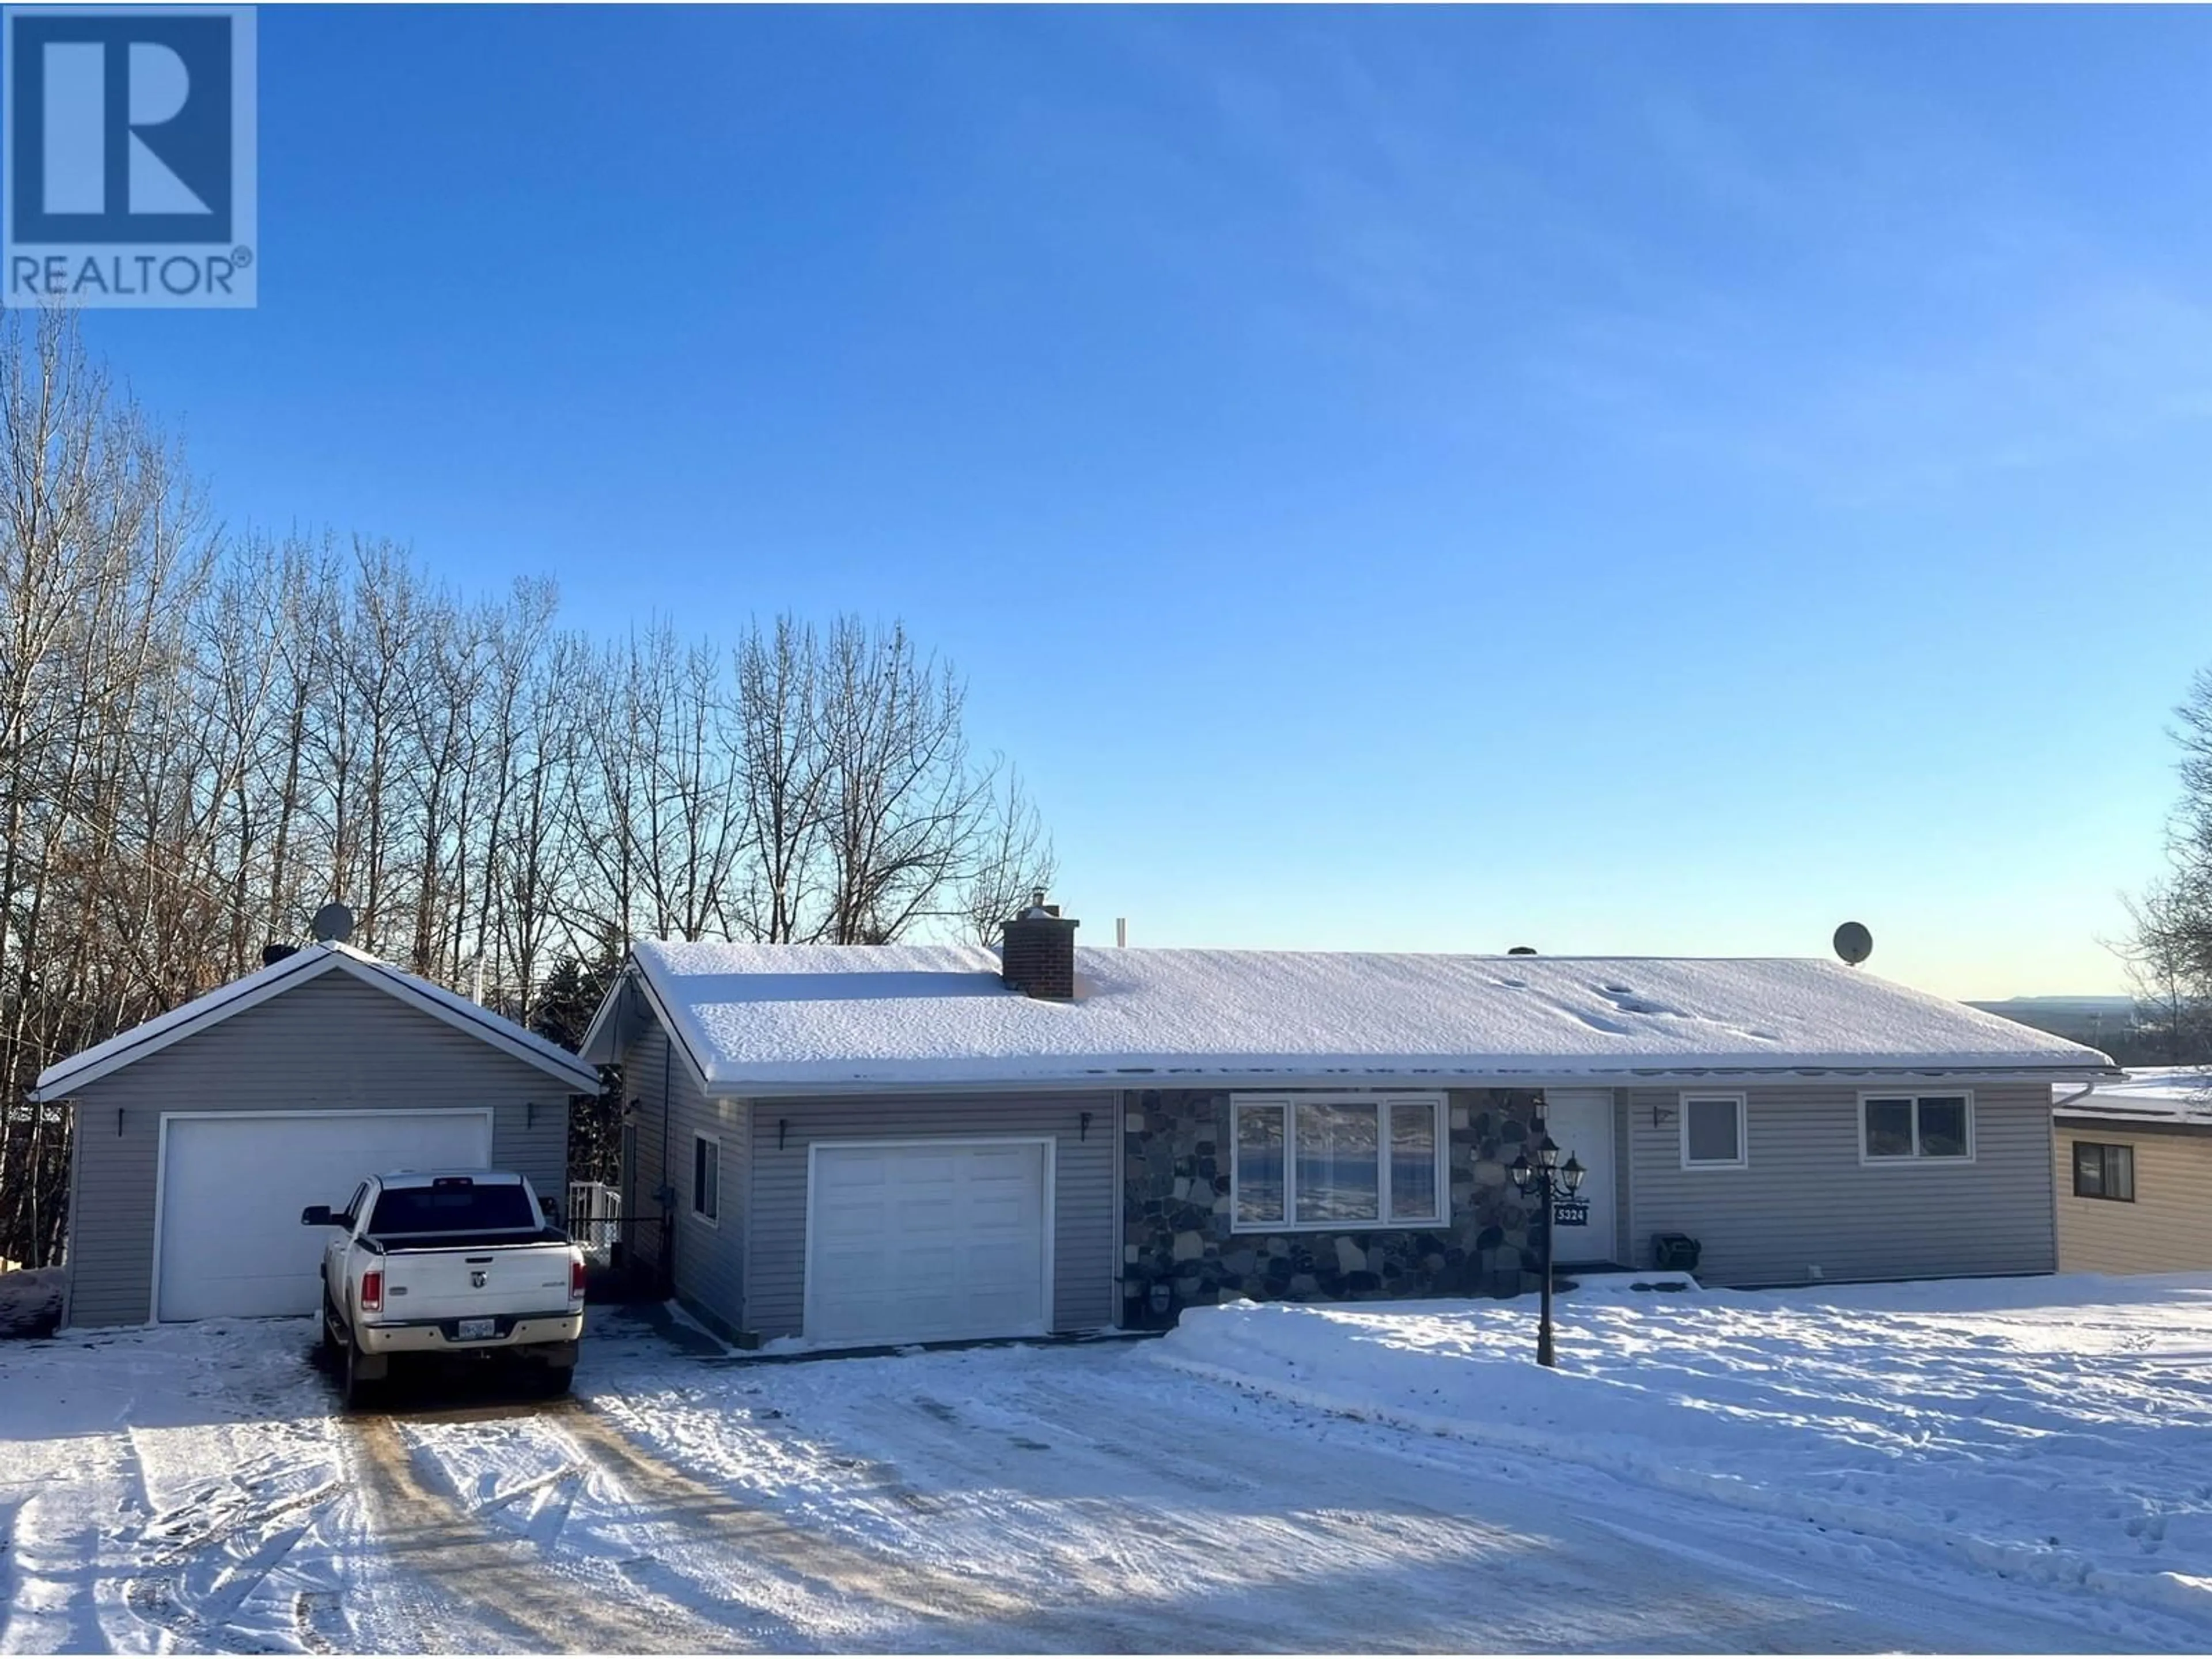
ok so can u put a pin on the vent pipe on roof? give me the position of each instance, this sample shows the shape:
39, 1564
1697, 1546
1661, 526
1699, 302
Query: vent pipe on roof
273, 954
1038, 956
1122, 933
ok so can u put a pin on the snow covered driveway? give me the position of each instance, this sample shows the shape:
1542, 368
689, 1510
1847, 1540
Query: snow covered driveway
192, 1489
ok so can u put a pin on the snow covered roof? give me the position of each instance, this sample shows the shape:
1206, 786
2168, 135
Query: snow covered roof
2180, 1096
763, 1018
311, 962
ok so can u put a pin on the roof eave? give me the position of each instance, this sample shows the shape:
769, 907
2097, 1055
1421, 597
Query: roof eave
755, 1086
499, 1032
70, 1076
601, 1045
641, 972
81, 1071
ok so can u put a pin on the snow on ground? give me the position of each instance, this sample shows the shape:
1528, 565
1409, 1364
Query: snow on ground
194, 1488
2053, 1429
154, 1485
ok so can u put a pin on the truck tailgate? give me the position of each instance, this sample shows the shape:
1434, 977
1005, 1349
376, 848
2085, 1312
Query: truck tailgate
470, 1284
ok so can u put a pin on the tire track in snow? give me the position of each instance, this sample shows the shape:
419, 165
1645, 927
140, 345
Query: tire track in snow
486, 1587
832, 1571
1193, 1554
312, 1616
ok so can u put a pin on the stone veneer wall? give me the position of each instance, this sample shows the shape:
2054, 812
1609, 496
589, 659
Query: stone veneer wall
1175, 1215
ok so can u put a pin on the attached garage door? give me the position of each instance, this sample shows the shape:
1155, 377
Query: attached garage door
926, 1241
233, 1186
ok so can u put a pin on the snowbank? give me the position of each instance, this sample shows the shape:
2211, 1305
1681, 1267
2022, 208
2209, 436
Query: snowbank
30, 1302
2057, 1430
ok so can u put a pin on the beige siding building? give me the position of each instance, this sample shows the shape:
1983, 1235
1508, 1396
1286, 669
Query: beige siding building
2133, 1174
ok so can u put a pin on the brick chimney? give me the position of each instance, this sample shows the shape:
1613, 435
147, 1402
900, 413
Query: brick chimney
1038, 957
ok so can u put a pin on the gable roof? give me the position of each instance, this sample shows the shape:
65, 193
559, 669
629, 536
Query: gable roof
765, 1019
310, 963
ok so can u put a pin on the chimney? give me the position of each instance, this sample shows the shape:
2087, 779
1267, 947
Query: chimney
1038, 957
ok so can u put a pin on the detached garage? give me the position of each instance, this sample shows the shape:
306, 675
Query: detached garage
200, 1136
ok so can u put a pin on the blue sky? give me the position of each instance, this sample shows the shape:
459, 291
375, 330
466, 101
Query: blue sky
1642, 482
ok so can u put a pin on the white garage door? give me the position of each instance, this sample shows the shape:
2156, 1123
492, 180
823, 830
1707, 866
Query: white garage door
927, 1241
233, 1188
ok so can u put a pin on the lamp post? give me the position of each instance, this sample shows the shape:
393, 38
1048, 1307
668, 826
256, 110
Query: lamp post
1548, 1179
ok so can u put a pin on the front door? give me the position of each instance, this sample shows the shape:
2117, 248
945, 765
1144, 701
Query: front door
1581, 1122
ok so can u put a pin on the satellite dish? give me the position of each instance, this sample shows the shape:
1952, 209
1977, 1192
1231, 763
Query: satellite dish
1853, 943
333, 924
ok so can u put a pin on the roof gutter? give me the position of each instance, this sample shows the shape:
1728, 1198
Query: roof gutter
770, 1088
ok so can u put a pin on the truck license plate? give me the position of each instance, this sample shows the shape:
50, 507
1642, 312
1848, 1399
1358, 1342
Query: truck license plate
474, 1330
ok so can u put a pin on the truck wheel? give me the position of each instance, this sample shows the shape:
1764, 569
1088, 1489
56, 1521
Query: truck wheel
556, 1382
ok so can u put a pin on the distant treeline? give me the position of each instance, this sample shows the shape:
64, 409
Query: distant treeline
203, 738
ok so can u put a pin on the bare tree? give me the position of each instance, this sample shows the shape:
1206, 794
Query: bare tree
901, 802
1013, 858
2173, 950
201, 741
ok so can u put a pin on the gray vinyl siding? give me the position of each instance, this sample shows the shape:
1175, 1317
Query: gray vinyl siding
707, 1270
1624, 1182
1083, 1267
332, 1044
1805, 1202
649, 1063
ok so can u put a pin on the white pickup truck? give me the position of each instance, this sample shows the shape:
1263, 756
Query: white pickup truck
448, 1262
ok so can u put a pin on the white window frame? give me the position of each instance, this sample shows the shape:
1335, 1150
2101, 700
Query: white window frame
1742, 1104
1438, 1105
1915, 1158
692, 1208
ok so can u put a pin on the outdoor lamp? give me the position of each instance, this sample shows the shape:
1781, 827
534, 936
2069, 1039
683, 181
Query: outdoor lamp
1549, 1182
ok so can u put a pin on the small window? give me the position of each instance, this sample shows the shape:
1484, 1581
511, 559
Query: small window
705, 1177
1916, 1128
1712, 1132
1260, 1164
1339, 1176
1942, 1127
1889, 1128
2104, 1170
1414, 1161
